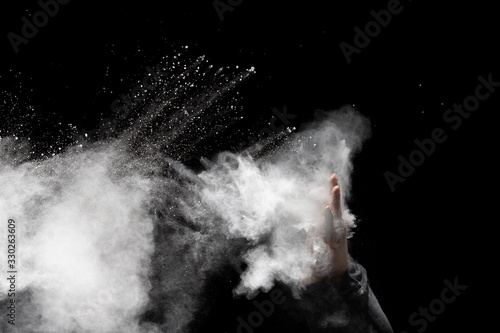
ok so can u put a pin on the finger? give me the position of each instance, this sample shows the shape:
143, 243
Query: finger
335, 203
338, 223
334, 181
328, 226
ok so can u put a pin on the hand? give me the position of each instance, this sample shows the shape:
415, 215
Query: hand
327, 242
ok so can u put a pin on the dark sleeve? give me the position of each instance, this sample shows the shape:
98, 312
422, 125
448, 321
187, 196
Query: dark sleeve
347, 305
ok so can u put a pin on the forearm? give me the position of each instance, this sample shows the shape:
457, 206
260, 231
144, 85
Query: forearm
346, 304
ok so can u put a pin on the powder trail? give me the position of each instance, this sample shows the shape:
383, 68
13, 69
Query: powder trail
112, 229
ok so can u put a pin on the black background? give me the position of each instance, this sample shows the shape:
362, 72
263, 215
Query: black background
436, 225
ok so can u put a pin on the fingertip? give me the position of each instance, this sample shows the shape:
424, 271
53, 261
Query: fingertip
333, 180
335, 193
